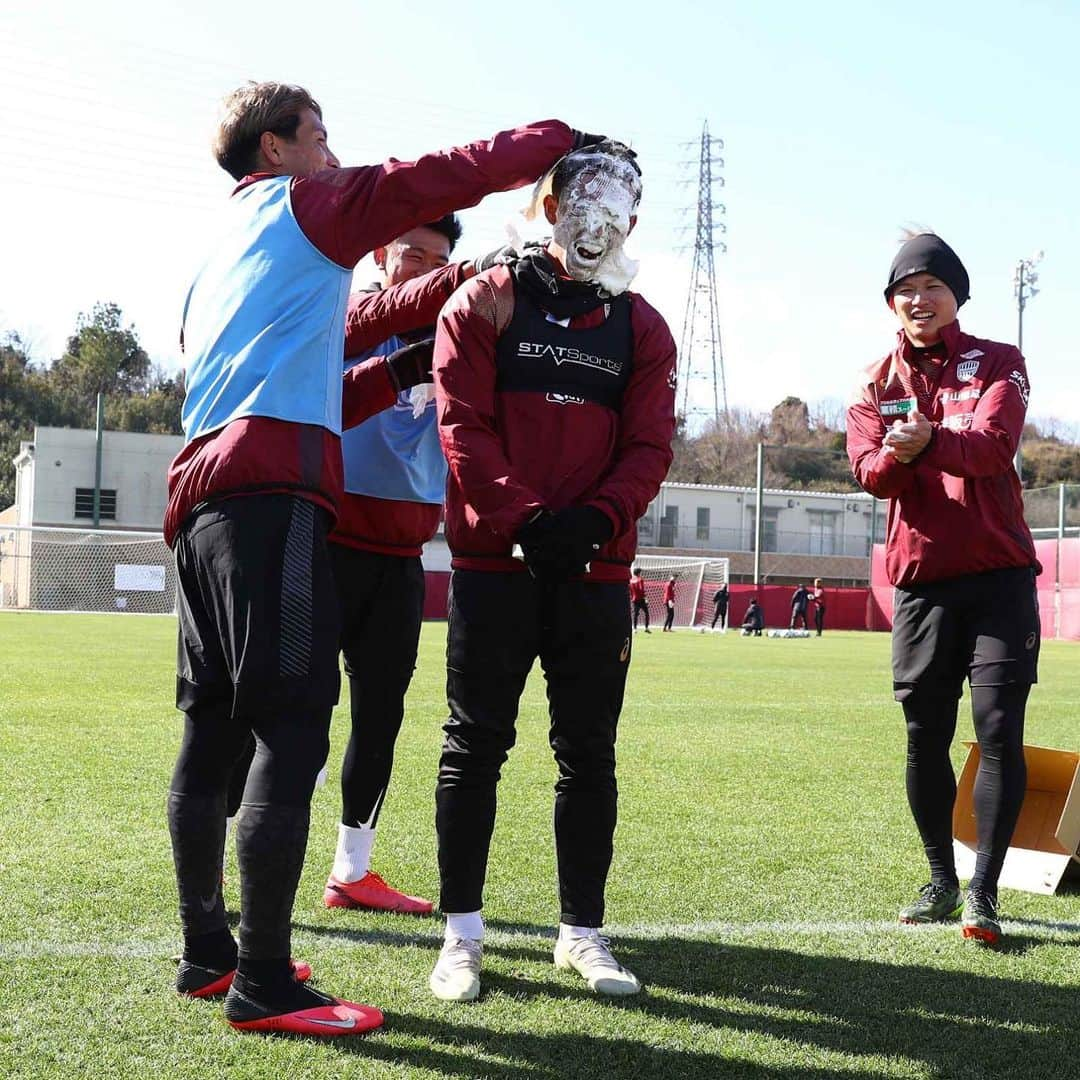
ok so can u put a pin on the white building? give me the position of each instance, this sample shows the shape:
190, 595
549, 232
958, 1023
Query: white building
62, 562
804, 533
54, 479
709, 517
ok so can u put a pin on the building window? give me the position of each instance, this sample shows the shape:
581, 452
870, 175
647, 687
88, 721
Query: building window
84, 503
703, 523
669, 527
770, 516
645, 528
822, 531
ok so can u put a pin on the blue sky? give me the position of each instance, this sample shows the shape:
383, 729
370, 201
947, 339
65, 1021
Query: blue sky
843, 122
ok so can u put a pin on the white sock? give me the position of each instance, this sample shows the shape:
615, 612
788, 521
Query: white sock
230, 824
468, 924
353, 855
568, 932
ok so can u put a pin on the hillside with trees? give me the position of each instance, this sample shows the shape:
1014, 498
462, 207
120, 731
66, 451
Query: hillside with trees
807, 450
102, 355
806, 443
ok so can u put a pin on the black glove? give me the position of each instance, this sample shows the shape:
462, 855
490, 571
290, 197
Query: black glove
583, 139
535, 529
499, 257
563, 544
411, 365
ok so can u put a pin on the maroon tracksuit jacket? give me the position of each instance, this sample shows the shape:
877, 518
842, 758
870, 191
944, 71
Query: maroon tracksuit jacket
347, 213
957, 508
392, 526
512, 452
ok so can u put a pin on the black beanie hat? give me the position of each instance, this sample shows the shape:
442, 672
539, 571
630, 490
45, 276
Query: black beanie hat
929, 254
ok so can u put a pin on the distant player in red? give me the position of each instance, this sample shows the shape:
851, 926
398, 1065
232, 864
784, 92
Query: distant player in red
818, 597
669, 603
637, 597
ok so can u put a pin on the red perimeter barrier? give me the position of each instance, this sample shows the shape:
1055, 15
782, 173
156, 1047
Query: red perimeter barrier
845, 608
1058, 588
437, 584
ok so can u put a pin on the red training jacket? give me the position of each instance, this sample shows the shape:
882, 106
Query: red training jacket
393, 526
512, 453
347, 213
957, 508
637, 588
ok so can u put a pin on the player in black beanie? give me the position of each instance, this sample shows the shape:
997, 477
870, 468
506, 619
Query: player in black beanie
926, 253
933, 430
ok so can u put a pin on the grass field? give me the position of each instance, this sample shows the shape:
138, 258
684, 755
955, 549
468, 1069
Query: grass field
764, 846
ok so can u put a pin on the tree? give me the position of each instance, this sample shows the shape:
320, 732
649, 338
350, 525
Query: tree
157, 411
25, 400
102, 356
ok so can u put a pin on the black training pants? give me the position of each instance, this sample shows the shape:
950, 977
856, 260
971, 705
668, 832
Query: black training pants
382, 606
499, 624
641, 607
257, 656
984, 627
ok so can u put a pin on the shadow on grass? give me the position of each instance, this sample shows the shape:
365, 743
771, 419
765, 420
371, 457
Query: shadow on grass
948, 1024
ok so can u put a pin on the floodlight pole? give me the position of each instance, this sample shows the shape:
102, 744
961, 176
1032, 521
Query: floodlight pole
1024, 289
99, 434
759, 499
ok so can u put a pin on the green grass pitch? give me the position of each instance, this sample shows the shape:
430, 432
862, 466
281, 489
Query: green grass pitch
763, 848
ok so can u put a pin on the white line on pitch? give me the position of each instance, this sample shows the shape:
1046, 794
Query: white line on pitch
151, 949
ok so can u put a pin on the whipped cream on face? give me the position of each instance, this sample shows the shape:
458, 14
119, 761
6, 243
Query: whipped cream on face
595, 208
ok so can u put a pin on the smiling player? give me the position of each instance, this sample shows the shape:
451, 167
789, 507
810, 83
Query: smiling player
934, 431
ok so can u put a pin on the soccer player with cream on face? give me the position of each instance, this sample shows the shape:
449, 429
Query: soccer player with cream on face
555, 389
933, 429
592, 217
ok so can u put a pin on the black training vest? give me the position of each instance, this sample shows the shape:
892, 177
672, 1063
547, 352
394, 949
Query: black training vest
569, 366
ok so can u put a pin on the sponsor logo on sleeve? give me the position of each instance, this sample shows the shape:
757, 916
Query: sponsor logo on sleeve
672, 378
966, 370
1019, 380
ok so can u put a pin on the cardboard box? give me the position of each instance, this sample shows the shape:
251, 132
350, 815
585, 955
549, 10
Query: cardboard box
1047, 836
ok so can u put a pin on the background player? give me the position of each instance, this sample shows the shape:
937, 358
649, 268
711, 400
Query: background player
669, 604
395, 475
638, 598
818, 597
720, 608
800, 598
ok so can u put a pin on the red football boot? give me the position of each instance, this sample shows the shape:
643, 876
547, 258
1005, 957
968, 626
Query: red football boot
320, 1015
373, 893
193, 980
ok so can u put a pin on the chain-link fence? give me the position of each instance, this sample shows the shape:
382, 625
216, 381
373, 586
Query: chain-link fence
85, 570
1053, 511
